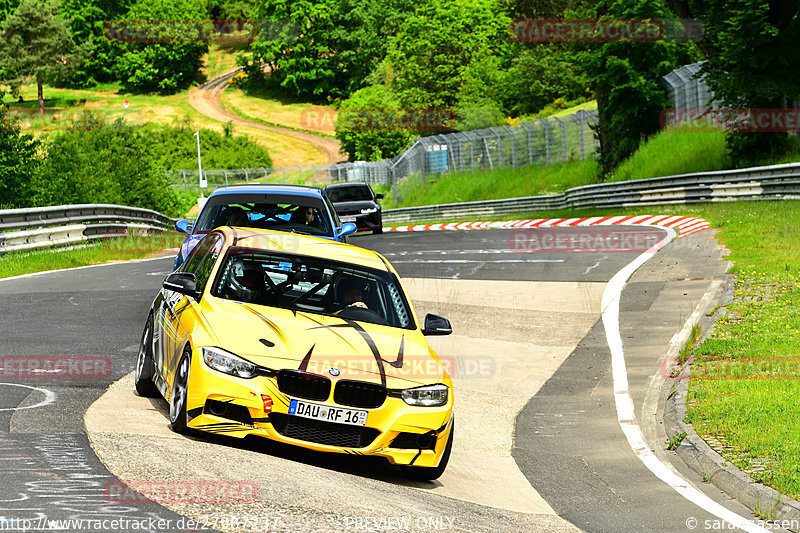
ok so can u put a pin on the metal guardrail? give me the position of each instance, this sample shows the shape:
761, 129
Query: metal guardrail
45, 227
769, 182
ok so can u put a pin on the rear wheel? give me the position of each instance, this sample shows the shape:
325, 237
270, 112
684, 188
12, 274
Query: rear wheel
177, 401
145, 368
425, 473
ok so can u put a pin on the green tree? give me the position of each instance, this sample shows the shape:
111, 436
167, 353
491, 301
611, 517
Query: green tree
752, 63
626, 79
538, 76
298, 44
7, 7
19, 160
160, 56
441, 45
325, 48
35, 42
370, 125
88, 24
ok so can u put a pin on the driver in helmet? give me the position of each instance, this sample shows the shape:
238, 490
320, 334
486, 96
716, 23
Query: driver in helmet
249, 279
351, 294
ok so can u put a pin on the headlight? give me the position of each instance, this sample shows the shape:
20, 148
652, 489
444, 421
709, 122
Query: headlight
427, 396
369, 210
228, 363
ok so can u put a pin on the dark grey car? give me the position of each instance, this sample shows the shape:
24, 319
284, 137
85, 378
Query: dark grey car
357, 203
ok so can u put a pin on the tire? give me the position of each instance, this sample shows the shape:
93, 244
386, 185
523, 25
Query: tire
145, 368
425, 473
378, 230
177, 400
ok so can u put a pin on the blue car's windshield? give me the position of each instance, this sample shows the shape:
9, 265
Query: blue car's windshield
306, 216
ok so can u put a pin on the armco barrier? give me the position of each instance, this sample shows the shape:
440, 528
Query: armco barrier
770, 182
44, 227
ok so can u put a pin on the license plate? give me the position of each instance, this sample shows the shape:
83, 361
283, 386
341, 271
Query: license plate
348, 218
328, 413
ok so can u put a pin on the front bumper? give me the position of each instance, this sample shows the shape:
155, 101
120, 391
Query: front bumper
222, 404
368, 221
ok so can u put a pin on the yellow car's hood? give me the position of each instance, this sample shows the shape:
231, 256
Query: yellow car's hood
327, 345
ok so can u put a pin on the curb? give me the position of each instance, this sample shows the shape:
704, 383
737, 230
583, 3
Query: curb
685, 225
705, 461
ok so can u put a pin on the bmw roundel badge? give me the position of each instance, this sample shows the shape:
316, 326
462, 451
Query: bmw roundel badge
334, 371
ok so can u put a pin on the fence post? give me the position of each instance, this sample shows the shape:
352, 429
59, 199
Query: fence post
394, 184
563, 136
226, 175
424, 162
530, 142
513, 148
246, 177
266, 178
546, 141
185, 185
471, 152
315, 174
580, 125
499, 148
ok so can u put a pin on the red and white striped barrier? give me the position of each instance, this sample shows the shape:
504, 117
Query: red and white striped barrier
684, 225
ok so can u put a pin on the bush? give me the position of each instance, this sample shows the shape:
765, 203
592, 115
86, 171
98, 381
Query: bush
104, 163
175, 147
19, 160
368, 125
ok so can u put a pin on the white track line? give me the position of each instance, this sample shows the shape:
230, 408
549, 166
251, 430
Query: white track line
45, 272
49, 397
624, 403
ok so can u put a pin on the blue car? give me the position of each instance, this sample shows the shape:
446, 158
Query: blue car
291, 208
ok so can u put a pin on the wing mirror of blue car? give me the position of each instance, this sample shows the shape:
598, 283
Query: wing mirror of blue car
379, 196
182, 283
436, 325
183, 226
348, 228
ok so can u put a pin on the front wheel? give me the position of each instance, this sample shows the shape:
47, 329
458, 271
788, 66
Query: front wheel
378, 230
177, 401
425, 473
145, 368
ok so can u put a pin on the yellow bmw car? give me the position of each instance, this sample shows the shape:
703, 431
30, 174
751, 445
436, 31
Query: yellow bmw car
301, 340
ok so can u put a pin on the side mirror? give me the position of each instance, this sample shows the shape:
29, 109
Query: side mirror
348, 228
182, 283
183, 226
436, 325
379, 196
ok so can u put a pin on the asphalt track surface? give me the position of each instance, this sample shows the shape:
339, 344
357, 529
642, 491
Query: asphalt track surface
567, 441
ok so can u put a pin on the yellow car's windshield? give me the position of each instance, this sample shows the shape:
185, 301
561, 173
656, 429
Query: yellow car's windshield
314, 285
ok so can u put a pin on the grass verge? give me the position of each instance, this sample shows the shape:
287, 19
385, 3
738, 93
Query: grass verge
745, 385
491, 184
120, 249
272, 111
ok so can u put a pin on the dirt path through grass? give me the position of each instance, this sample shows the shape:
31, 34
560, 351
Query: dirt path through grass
205, 99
